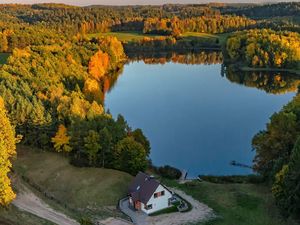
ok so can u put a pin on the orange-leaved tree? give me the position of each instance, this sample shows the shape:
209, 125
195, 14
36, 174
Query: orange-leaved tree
99, 65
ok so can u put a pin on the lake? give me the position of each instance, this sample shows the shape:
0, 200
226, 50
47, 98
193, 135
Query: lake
196, 116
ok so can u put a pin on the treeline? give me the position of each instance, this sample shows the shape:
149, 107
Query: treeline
193, 58
278, 157
265, 49
19, 35
54, 92
262, 10
100, 18
203, 24
8, 142
170, 44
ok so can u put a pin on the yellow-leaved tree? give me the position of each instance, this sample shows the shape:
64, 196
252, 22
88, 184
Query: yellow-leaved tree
61, 140
7, 151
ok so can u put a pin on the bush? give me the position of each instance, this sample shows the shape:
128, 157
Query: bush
169, 172
255, 179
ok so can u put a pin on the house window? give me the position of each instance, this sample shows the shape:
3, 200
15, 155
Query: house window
148, 207
157, 194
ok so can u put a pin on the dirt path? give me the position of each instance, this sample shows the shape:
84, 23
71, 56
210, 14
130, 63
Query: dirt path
26, 200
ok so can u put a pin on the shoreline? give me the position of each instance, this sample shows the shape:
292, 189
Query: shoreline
250, 69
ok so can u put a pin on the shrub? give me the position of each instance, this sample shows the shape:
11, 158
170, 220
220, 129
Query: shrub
169, 172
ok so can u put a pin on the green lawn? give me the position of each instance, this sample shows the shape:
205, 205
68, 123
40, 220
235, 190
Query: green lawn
3, 58
95, 189
125, 36
236, 204
205, 36
136, 36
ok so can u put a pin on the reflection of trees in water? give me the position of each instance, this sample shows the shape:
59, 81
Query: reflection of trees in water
108, 82
270, 82
203, 57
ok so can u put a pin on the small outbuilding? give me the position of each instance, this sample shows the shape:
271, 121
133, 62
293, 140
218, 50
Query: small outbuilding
148, 195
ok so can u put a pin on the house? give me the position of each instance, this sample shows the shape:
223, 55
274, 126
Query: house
148, 195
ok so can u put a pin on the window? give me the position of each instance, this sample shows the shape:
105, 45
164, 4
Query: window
157, 194
148, 207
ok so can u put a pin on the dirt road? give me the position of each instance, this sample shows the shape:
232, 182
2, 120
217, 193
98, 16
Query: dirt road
26, 200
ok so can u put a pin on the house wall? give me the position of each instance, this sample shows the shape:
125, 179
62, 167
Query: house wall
158, 203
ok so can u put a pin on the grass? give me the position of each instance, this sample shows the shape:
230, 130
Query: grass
3, 58
171, 209
13, 216
242, 204
205, 36
136, 36
94, 189
125, 36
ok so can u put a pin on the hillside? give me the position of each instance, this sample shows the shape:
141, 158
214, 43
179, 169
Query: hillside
92, 191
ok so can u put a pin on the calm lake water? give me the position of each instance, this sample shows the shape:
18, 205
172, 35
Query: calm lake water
195, 118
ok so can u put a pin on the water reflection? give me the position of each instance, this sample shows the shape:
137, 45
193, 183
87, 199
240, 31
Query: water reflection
193, 58
192, 110
270, 82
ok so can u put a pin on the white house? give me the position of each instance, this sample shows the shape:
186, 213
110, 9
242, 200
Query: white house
148, 195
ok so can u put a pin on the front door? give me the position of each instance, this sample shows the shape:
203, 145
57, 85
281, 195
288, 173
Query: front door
137, 205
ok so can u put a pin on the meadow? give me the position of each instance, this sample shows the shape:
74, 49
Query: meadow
242, 204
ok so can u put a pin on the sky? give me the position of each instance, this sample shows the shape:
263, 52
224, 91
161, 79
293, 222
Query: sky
130, 2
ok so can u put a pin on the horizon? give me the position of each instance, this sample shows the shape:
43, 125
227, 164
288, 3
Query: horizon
137, 2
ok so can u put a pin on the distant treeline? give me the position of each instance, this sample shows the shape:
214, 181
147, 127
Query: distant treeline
262, 10
203, 24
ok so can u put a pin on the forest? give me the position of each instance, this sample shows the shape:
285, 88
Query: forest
53, 84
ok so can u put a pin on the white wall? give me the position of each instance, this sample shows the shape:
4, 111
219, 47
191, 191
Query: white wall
158, 203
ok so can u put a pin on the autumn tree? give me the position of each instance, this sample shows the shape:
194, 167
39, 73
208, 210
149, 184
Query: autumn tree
92, 145
61, 140
7, 151
98, 65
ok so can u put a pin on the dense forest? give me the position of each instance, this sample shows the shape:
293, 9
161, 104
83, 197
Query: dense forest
54, 82
52, 87
265, 49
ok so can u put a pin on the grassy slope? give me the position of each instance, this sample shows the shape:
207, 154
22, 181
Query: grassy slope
3, 58
14, 216
95, 189
240, 204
